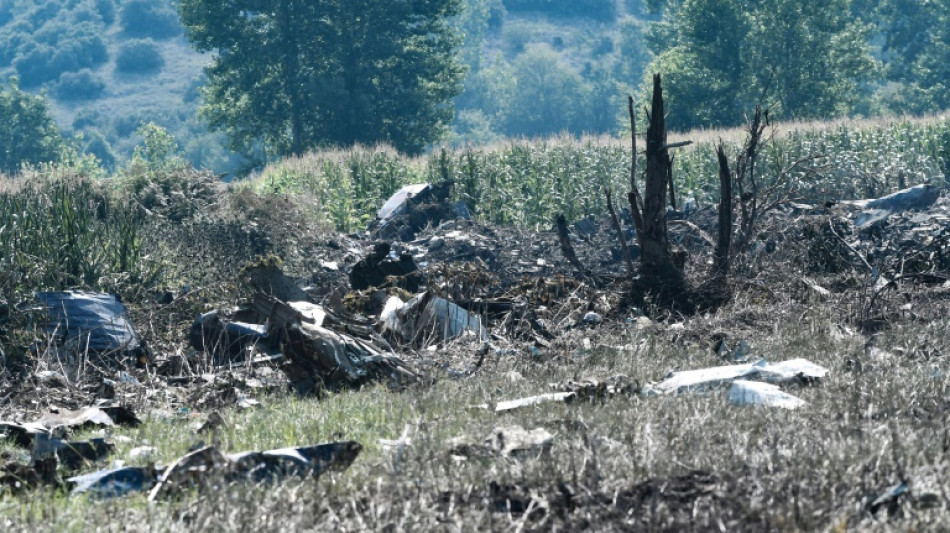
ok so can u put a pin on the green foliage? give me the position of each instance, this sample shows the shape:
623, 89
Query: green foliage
27, 132
64, 232
97, 145
59, 47
82, 85
805, 59
149, 18
526, 183
549, 93
139, 57
327, 73
106, 10
596, 9
157, 154
918, 45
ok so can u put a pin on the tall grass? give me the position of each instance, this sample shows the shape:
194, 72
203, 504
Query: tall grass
525, 183
66, 232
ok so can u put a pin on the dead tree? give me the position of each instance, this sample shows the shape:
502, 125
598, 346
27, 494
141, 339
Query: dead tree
724, 238
633, 197
658, 270
746, 180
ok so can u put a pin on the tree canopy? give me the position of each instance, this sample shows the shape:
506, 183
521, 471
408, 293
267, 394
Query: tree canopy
290, 75
27, 132
806, 59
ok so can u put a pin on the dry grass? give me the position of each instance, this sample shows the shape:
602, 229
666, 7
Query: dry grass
814, 468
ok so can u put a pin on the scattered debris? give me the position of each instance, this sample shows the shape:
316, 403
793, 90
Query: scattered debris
142, 453
510, 405
916, 198
516, 440
307, 461
20, 478
508, 441
228, 341
58, 424
197, 467
22, 435
385, 266
599, 389
757, 393
786, 372
427, 315
114, 483
88, 322
322, 359
70, 454
413, 207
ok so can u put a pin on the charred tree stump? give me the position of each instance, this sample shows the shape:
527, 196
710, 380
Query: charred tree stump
567, 248
619, 229
660, 274
724, 238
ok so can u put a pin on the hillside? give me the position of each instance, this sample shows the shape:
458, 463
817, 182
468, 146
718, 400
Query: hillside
109, 67
93, 95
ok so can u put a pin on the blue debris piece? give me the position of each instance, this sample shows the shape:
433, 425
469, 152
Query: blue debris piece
919, 197
95, 321
114, 483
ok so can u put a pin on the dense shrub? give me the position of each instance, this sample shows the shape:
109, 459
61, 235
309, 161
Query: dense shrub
106, 9
605, 10
149, 18
94, 143
60, 47
82, 85
6, 11
139, 57
86, 119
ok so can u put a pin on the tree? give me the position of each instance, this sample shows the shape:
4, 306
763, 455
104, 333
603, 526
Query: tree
547, 93
28, 134
289, 75
806, 58
917, 50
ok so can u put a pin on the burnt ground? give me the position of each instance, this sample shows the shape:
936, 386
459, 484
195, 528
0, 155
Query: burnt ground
530, 297
537, 308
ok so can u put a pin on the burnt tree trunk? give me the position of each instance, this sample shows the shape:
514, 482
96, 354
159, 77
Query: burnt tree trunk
660, 274
724, 239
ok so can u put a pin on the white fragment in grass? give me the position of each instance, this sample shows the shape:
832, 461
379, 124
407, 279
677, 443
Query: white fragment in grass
793, 371
511, 405
142, 453
764, 394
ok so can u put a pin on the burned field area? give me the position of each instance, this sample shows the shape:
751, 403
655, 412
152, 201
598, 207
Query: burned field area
662, 367
438, 373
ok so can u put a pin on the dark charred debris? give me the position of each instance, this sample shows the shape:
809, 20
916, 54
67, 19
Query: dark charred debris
425, 275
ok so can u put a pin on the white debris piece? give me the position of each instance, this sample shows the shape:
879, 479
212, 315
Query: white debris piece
431, 313
757, 393
710, 378
510, 405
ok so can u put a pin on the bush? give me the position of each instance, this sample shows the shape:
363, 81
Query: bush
149, 18
106, 9
82, 85
27, 131
58, 48
88, 118
98, 146
139, 57
604, 10
6, 11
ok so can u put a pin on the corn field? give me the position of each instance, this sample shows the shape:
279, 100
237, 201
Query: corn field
525, 183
